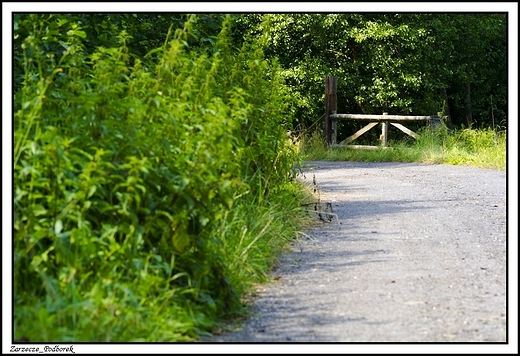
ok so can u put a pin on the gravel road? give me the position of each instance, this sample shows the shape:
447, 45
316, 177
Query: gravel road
413, 253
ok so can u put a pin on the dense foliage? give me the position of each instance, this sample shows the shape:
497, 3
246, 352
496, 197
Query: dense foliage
153, 175
143, 185
404, 64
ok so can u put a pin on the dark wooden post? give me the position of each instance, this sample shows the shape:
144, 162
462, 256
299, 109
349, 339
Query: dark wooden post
331, 106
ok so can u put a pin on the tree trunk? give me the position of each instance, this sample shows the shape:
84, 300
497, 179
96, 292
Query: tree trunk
469, 115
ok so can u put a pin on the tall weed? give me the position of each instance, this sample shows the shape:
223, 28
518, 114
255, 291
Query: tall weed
146, 192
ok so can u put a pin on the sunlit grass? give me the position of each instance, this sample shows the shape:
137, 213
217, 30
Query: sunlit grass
482, 148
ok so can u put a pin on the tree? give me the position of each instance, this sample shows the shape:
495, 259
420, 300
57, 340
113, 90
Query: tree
469, 58
400, 63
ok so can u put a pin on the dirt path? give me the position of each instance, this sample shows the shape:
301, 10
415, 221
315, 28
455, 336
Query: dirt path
414, 253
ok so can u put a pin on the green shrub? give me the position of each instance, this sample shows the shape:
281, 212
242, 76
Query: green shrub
146, 190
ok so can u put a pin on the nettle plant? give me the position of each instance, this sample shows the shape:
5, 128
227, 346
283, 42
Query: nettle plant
131, 177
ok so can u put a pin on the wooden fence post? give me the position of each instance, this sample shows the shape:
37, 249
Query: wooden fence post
384, 134
331, 106
435, 121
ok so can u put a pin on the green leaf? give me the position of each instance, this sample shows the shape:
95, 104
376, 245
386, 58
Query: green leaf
39, 210
78, 33
181, 241
62, 22
58, 226
91, 191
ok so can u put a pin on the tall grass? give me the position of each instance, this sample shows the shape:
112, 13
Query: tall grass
150, 194
483, 148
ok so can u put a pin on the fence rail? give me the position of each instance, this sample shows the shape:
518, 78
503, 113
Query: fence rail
378, 117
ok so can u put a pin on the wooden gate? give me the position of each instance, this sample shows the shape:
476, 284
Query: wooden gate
331, 119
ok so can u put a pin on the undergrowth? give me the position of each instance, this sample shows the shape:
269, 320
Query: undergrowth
482, 148
150, 193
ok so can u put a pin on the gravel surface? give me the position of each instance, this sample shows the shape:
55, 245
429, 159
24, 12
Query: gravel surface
412, 253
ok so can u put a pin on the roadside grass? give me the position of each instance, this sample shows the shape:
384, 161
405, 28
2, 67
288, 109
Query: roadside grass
254, 236
482, 148
150, 196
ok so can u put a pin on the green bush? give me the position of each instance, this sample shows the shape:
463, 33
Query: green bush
147, 192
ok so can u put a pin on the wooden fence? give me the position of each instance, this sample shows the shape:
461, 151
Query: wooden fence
331, 119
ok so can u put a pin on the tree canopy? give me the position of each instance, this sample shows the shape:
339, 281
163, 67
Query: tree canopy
399, 63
